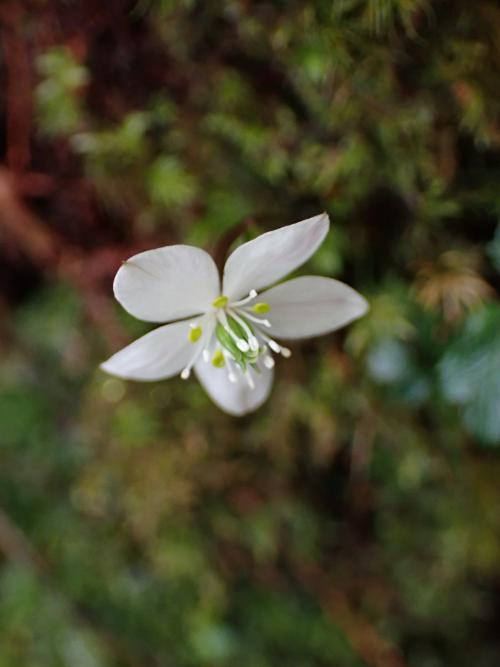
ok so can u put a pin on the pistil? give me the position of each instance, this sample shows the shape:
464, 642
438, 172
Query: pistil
241, 344
252, 340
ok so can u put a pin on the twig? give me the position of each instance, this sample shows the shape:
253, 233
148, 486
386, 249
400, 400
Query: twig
45, 249
31, 236
225, 242
375, 650
362, 443
19, 86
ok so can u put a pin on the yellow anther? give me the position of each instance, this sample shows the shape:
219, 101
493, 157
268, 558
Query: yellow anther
194, 334
218, 359
220, 301
261, 308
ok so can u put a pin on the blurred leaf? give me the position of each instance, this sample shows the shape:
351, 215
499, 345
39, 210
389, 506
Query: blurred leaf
169, 183
452, 284
470, 374
57, 95
494, 249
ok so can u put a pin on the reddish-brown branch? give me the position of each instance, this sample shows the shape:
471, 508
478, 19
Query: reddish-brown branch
23, 228
227, 240
19, 87
374, 649
86, 272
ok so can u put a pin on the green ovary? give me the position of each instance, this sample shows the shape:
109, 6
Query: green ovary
228, 342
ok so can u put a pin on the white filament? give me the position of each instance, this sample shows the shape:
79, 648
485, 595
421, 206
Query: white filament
249, 379
257, 320
252, 294
231, 374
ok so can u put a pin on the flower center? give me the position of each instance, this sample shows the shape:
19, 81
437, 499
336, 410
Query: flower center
243, 345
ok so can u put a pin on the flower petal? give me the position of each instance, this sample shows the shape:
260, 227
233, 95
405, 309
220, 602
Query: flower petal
167, 283
159, 354
236, 398
311, 306
273, 255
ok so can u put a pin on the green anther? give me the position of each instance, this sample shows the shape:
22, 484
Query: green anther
220, 301
194, 334
218, 359
261, 308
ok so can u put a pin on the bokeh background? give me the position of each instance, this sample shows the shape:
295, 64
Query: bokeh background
354, 520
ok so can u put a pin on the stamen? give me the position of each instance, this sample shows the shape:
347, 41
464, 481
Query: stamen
195, 333
275, 347
257, 320
248, 298
218, 360
220, 301
194, 336
268, 361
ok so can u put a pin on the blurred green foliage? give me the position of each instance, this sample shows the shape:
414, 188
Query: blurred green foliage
355, 519
57, 98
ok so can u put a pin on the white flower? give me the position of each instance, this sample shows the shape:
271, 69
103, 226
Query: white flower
228, 334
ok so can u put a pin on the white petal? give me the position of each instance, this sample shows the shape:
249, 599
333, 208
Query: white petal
167, 283
157, 355
311, 306
236, 398
273, 255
